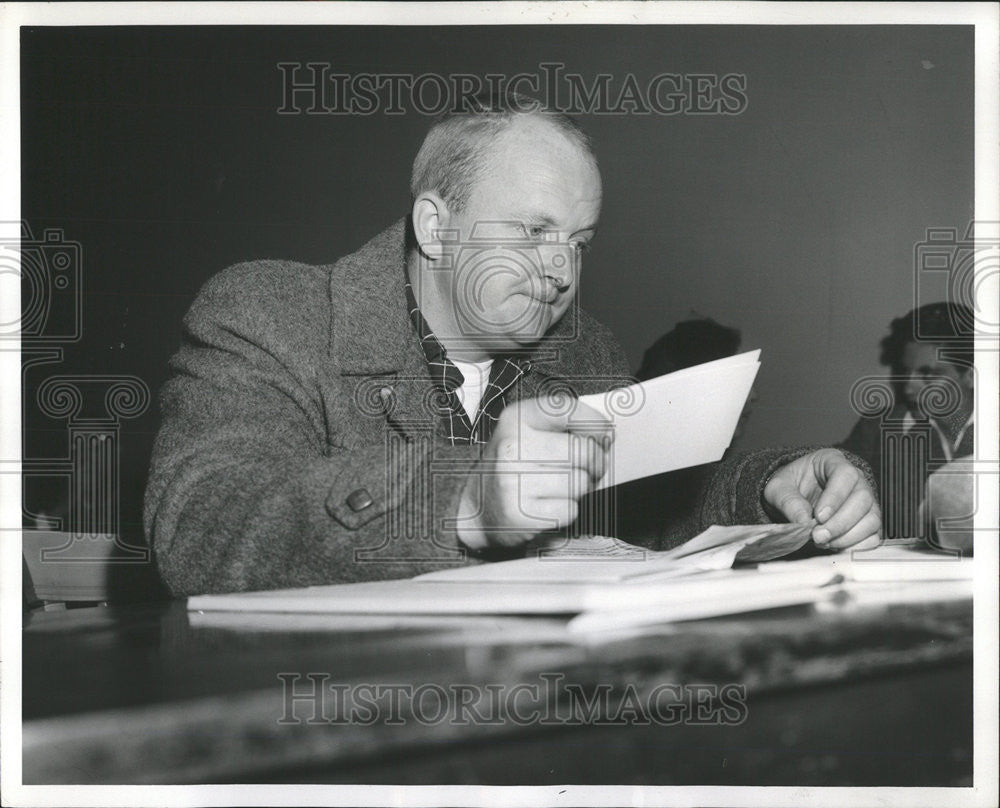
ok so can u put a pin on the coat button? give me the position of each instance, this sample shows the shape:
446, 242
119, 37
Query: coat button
388, 396
360, 499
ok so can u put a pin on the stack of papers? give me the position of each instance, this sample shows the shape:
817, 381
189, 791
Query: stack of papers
603, 585
600, 559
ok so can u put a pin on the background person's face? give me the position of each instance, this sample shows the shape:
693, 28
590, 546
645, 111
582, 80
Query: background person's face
528, 220
923, 368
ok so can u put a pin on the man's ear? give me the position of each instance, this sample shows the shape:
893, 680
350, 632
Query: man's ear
430, 217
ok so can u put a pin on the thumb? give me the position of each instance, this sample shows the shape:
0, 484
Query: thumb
562, 414
586, 421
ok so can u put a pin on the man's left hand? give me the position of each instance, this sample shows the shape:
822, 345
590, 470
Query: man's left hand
825, 486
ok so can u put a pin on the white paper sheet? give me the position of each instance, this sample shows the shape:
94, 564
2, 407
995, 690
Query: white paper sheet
888, 577
596, 559
675, 421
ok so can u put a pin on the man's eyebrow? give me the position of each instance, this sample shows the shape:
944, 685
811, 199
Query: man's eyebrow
548, 221
539, 218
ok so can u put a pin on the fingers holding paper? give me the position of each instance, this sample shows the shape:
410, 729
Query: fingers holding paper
825, 486
533, 471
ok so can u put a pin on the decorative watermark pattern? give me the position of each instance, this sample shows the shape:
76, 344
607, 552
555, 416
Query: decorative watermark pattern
48, 269
316, 88
316, 699
964, 270
93, 406
925, 496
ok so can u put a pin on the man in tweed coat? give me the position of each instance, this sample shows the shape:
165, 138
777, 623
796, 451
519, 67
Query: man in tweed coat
388, 414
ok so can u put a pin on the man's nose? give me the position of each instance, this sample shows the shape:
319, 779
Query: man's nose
559, 268
913, 386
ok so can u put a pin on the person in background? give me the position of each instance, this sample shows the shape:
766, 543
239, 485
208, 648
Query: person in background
929, 351
690, 342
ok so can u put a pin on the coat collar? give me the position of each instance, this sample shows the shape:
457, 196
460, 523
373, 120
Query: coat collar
370, 332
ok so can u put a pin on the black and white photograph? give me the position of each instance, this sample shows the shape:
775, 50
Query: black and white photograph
537, 404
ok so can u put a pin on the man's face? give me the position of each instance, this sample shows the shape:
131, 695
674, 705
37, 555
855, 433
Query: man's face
516, 263
922, 368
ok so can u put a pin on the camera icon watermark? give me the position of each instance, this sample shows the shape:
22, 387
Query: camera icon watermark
509, 286
963, 270
48, 272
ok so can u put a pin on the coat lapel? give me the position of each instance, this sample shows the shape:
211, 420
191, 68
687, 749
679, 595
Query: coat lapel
372, 342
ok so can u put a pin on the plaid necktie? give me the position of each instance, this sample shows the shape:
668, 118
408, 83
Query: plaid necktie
447, 379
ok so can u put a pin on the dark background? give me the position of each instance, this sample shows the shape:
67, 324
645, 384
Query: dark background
160, 151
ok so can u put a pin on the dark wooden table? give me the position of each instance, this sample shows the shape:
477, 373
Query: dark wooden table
151, 694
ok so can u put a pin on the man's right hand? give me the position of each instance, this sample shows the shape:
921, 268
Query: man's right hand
532, 474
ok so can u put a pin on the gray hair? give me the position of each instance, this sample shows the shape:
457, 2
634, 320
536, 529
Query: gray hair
456, 150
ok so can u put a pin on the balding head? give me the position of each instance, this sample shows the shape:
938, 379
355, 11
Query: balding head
461, 146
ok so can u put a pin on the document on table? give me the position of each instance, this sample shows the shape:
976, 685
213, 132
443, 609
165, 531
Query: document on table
593, 573
600, 559
675, 421
624, 586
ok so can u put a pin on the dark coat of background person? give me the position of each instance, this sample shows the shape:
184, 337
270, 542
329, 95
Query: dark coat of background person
160, 151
